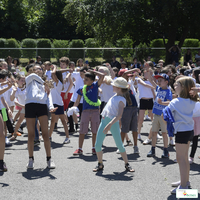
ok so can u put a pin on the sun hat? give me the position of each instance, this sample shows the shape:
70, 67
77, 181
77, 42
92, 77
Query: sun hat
165, 76
120, 82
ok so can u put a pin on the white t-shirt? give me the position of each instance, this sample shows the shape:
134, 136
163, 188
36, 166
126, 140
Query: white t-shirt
20, 95
7, 96
78, 83
2, 95
112, 107
144, 91
107, 92
55, 93
48, 75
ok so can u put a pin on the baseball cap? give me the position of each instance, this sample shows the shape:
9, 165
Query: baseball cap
121, 72
165, 76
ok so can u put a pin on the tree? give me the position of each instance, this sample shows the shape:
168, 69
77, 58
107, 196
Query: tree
140, 20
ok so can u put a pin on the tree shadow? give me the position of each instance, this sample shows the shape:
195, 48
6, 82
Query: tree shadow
194, 167
90, 158
163, 161
33, 174
116, 176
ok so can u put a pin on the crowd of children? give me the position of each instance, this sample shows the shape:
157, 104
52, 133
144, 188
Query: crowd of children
107, 97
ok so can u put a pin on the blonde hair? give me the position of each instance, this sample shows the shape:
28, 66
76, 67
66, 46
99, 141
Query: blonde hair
187, 83
107, 77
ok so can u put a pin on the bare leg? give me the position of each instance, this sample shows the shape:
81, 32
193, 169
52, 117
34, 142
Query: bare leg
135, 135
182, 159
81, 140
140, 120
94, 135
165, 139
44, 127
63, 120
53, 121
30, 122
16, 116
154, 138
2, 139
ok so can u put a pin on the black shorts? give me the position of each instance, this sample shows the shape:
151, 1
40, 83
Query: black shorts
33, 110
146, 104
60, 110
184, 137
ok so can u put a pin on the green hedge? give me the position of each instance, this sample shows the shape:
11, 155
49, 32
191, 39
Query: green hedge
44, 43
189, 42
142, 52
125, 43
158, 54
60, 44
3, 45
29, 43
93, 54
76, 54
13, 43
109, 53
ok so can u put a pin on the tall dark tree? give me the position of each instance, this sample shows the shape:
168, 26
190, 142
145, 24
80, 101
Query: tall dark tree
141, 20
13, 19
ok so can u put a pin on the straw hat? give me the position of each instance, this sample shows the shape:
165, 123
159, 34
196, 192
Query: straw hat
120, 83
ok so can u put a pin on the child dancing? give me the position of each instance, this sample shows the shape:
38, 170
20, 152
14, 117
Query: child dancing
111, 115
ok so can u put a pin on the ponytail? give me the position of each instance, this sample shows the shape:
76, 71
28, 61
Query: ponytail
126, 95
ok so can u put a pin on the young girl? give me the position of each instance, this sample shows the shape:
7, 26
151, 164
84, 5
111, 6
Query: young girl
183, 127
111, 115
36, 101
3, 167
20, 94
58, 102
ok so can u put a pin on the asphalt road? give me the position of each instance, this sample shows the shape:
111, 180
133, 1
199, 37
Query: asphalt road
74, 179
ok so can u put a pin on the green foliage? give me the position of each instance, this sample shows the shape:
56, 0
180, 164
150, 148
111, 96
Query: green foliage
75, 54
12, 43
142, 52
125, 43
45, 54
189, 42
92, 43
109, 53
29, 43
3, 45
158, 54
60, 44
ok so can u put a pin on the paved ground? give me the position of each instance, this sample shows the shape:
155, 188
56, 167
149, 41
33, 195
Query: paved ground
73, 177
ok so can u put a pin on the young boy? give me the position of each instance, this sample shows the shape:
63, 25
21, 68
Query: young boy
163, 98
90, 111
48, 65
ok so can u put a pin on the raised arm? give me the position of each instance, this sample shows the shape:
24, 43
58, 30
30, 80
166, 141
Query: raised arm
99, 74
145, 84
6, 88
53, 74
32, 77
151, 79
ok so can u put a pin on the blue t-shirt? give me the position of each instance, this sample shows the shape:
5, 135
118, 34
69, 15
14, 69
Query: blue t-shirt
164, 95
91, 93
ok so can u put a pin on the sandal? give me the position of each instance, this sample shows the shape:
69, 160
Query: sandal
129, 168
129, 143
99, 167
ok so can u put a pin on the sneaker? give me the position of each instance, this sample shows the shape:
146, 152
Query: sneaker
147, 141
136, 149
175, 160
172, 143
129, 143
37, 142
71, 131
51, 164
30, 164
176, 184
159, 137
147, 118
139, 137
191, 160
93, 151
66, 141
117, 152
179, 187
7, 142
151, 153
3, 168
165, 154
78, 152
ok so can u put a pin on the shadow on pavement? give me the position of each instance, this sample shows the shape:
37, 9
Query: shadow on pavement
163, 161
90, 158
32, 174
194, 167
4, 184
116, 176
